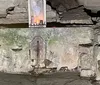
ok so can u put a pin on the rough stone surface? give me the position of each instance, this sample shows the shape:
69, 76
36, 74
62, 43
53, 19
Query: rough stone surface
66, 45
98, 38
19, 46
86, 57
21, 8
48, 7
51, 14
3, 6
20, 13
76, 16
97, 51
3, 14
14, 51
91, 4
69, 47
67, 4
87, 73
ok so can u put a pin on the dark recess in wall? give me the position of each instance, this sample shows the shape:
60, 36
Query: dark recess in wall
21, 25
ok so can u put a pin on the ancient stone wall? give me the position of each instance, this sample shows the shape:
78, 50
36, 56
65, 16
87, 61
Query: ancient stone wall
16, 11
71, 47
96, 50
14, 50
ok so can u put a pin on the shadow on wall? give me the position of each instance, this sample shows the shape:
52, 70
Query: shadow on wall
21, 25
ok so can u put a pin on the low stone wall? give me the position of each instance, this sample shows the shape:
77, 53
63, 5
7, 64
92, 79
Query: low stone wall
14, 50
72, 47
62, 47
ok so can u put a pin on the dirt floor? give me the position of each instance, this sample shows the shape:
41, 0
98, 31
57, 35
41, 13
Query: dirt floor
65, 78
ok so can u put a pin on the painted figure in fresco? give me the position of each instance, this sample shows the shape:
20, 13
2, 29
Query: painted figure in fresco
35, 8
37, 14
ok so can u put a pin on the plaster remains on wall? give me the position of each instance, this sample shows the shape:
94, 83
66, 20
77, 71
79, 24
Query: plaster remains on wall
56, 48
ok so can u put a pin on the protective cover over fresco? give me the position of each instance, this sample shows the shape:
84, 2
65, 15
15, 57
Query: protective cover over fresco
37, 13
